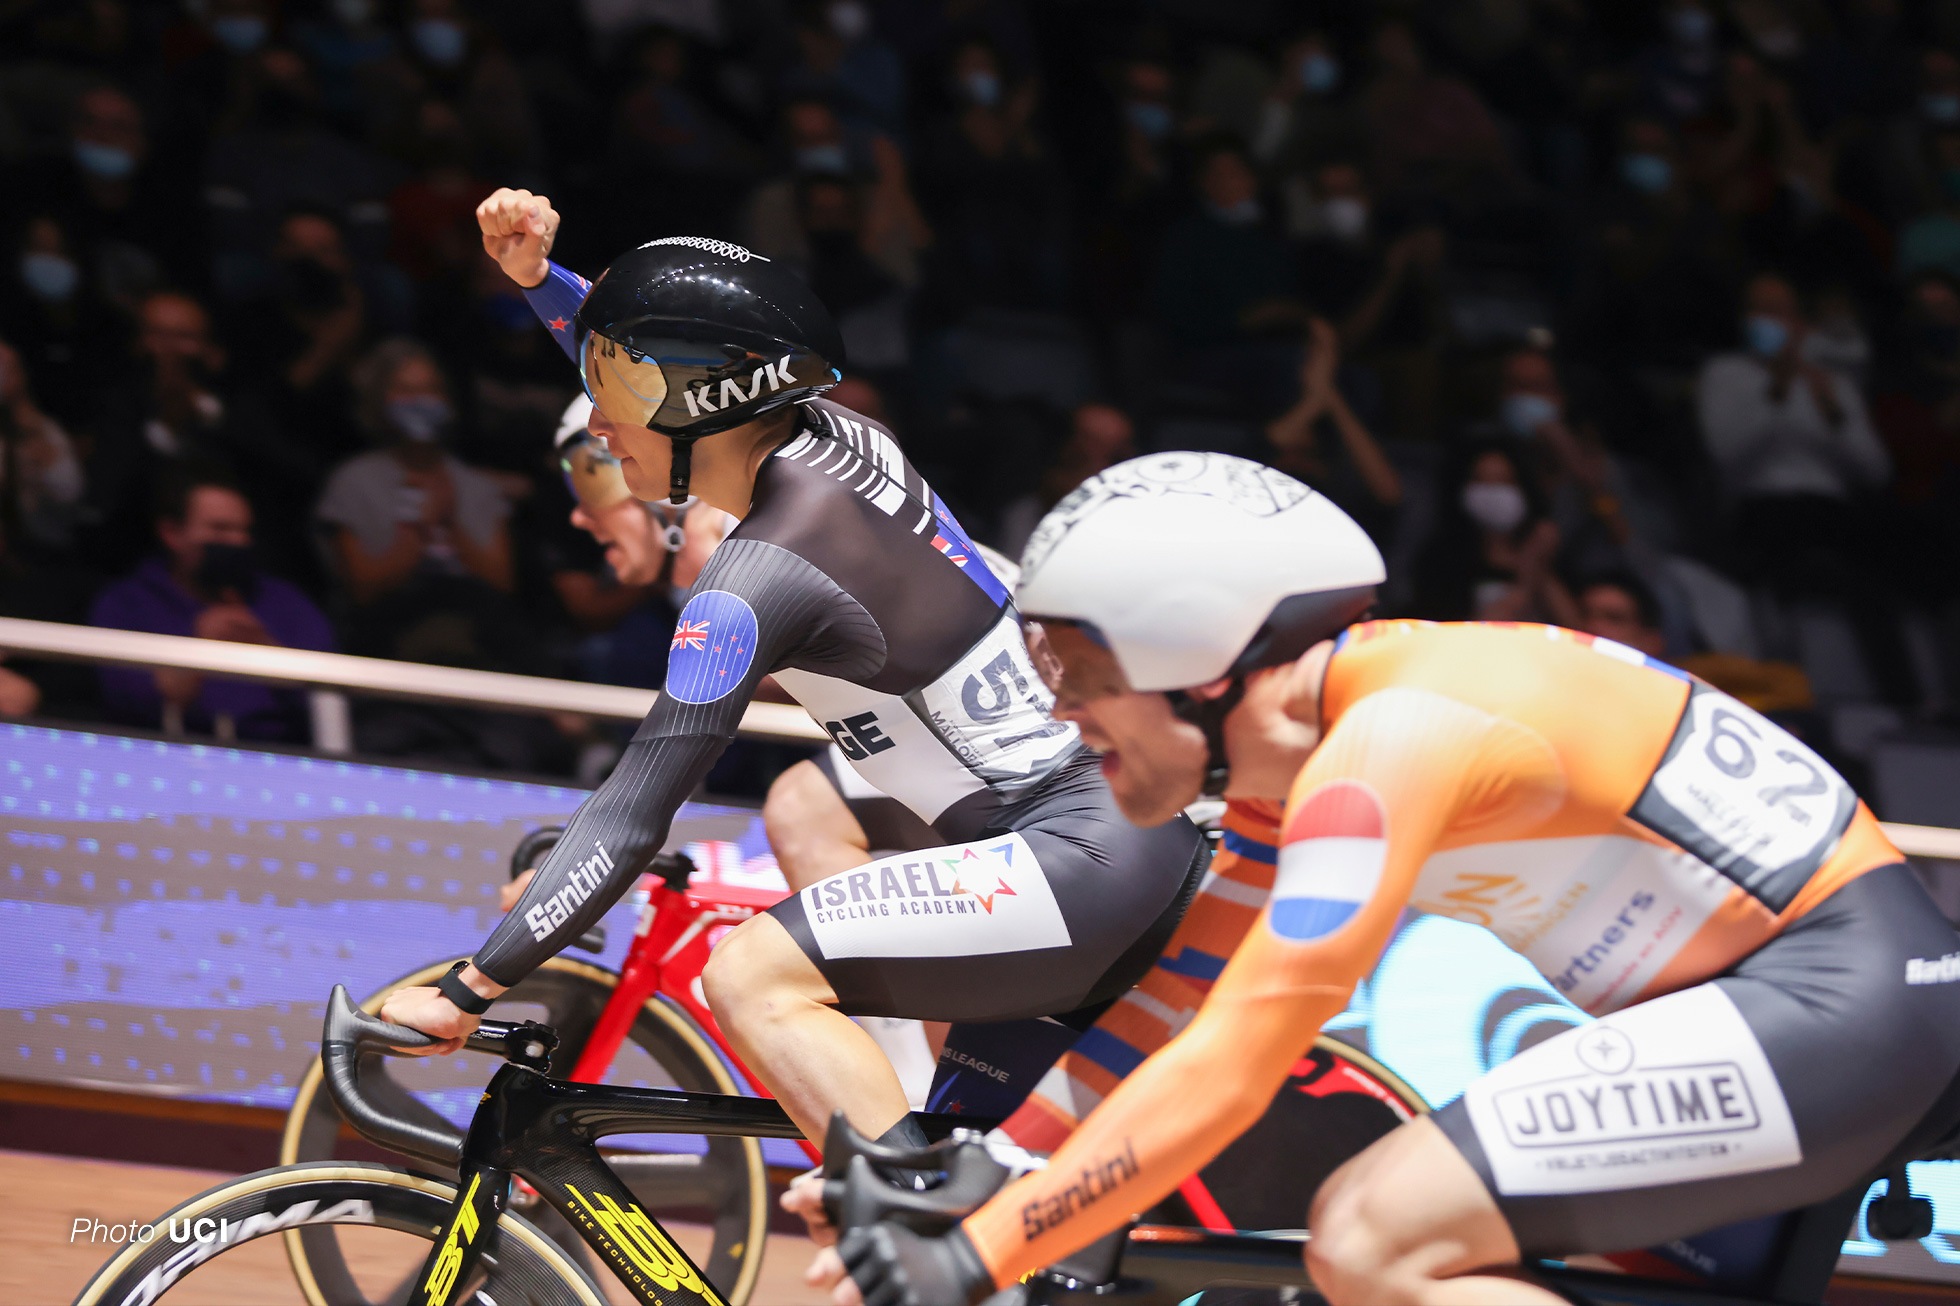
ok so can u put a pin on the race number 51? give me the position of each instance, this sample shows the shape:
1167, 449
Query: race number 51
1747, 797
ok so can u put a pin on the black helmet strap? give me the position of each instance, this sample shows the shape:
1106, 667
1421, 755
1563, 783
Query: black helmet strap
681, 468
1208, 714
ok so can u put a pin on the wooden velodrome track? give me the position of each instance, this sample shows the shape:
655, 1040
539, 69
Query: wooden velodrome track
43, 1195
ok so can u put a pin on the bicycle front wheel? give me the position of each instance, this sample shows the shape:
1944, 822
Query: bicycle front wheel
394, 1215
724, 1183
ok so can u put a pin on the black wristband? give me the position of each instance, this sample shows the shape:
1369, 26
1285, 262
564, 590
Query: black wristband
466, 998
973, 1273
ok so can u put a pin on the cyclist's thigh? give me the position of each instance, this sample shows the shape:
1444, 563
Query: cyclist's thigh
1774, 1086
1040, 920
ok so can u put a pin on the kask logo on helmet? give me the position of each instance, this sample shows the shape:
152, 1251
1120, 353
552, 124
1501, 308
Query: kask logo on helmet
703, 397
1245, 486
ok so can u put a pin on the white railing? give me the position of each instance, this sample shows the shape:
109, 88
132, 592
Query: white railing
329, 677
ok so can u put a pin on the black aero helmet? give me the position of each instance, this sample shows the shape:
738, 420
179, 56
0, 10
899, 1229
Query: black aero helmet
690, 336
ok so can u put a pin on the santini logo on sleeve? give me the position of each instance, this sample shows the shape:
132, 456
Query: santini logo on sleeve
961, 901
584, 881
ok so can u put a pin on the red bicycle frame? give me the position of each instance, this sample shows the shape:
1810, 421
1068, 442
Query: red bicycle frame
670, 947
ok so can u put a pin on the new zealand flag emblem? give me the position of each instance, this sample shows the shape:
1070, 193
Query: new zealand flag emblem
714, 643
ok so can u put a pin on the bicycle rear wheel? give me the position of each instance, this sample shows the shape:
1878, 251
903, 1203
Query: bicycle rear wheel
398, 1216
1336, 1101
725, 1184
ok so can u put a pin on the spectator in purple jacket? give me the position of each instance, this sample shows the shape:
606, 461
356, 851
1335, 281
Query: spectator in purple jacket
205, 583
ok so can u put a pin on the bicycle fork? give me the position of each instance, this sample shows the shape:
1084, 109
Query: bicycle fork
481, 1194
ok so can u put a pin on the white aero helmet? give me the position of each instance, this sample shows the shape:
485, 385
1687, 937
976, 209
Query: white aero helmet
1193, 566
572, 424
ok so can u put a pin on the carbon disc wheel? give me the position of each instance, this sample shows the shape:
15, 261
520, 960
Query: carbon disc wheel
723, 1183
395, 1214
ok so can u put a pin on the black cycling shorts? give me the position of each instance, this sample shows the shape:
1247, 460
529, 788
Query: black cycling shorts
1808, 1067
1061, 904
888, 825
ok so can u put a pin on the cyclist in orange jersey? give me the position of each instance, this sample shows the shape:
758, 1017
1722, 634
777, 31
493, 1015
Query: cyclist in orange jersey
1779, 1000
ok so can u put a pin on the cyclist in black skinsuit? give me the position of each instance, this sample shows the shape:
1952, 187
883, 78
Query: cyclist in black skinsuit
851, 582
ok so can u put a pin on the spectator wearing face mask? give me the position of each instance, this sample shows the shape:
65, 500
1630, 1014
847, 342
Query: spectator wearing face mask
214, 50
105, 194
166, 405
1679, 75
812, 142
445, 54
1385, 296
1308, 116
864, 242
1790, 439
1380, 294
1430, 134
1797, 456
988, 185
679, 165
1492, 552
417, 537
1223, 275
1587, 491
207, 584
841, 58
275, 157
1138, 203
346, 45
297, 343
50, 309
1656, 278
1150, 123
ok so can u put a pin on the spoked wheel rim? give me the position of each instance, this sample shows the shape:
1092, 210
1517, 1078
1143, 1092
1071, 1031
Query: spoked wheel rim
725, 1181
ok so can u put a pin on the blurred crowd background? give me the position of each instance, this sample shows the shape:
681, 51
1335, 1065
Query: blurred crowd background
1642, 318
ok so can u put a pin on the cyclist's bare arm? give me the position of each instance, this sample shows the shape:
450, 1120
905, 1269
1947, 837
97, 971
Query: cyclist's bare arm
1414, 769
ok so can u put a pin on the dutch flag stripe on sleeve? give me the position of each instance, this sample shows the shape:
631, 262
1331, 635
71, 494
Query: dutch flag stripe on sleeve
1330, 860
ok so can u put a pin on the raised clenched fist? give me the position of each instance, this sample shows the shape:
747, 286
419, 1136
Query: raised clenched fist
518, 231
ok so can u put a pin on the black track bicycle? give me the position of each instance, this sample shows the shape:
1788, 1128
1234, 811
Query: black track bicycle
477, 1251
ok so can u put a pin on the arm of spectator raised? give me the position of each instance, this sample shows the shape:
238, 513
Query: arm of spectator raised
1366, 453
1864, 455
1733, 407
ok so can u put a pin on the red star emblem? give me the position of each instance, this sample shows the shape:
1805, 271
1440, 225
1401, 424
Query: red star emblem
558, 324
986, 899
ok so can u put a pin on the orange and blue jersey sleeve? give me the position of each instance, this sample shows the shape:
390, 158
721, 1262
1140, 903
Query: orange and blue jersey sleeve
1365, 814
556, 301
1165, 1000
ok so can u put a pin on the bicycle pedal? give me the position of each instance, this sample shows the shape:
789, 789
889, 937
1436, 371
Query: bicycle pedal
1900, 1219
